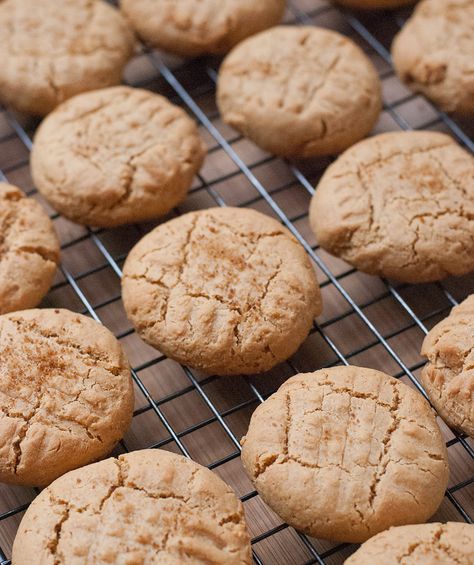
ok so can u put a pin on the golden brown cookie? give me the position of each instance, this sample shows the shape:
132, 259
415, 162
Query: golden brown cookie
147, 507
51, 50
345, 453
423, 544
399, 205
225, 290
195, 27
374, 4
117, 155
448, 377
66, 394
299, 91
434, 53
29, 250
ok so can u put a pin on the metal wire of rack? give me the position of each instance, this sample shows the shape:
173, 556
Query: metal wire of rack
367, 321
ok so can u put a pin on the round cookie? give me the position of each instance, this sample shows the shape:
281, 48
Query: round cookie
117, 155
66, 394
50, 50
225, 290
423, 544
399, 205
374, 4
434, 53
29, 250
448, 377
299, 91
195, 27
345, 453
148, 506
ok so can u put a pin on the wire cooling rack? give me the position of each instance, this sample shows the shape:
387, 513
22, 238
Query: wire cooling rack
366, 320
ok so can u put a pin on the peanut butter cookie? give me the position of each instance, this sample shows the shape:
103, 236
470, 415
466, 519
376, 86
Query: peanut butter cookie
434, 53
399, 205
448, 377
148, 506
51, 50
195, 27
374, 4
423, 544
225, 290
66, 394
299, 91
117, 155
29, 251
345, 453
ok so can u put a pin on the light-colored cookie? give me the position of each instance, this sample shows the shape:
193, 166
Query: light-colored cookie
225, 290
374, 4
345, 453
66, 394
195, 27
29, 250
50, 50
448, 377
434, 53
146, 507
299, 91
399, 205
423, 544
117, 155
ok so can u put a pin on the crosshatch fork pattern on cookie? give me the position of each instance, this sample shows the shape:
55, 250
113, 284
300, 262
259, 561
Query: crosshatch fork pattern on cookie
366, 321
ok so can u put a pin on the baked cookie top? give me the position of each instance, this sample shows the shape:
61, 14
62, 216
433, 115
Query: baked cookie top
345, 453
399, 205
374, 4
51, 50
422, 544
29, 250
117, 155
299, 91
66, 394
148, 507
448, 377
434, 53
224, 290
195, 27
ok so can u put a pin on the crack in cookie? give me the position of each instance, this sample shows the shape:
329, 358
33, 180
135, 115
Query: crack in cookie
65, 392
29, 251
50, 52
448, 376
344, 453
299, 91
117, 155
399, 205
421, 544
226, 290
186, 512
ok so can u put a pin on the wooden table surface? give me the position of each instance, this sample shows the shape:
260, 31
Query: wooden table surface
366, 321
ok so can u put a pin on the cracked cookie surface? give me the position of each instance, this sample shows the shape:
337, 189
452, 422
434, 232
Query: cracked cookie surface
29, 250
50, 51
434, 53
148, 506
225, 290
345, 453
423, 544
448, 376
299, 91
117, 155
399, 205
66, 394
195, 27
